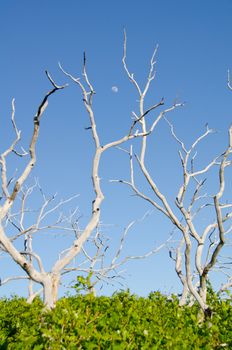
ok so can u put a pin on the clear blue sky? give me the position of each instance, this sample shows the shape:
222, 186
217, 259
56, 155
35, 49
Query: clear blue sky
194, 54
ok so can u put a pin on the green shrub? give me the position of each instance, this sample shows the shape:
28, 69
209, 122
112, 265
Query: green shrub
122, 321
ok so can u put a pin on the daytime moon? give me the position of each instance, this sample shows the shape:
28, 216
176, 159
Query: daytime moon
114, 89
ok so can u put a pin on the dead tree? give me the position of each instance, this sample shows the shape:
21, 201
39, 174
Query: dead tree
203, 244
12, 188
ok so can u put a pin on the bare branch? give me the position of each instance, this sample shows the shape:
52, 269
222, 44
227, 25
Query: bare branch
228, 80
144, 114
37, 257
130, 75
13, 278
27, 170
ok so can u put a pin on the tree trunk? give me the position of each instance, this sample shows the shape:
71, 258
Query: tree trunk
50, 290
203, 287
184, 295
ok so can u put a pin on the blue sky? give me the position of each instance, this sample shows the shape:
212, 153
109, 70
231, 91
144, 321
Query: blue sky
194, 54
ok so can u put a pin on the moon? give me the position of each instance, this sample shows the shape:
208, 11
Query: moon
114, 89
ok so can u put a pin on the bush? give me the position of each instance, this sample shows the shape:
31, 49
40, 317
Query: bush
122, 321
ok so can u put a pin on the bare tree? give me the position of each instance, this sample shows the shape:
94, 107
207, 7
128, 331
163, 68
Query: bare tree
201, 244
14, 188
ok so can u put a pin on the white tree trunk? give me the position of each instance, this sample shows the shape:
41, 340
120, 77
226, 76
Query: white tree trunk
50, 290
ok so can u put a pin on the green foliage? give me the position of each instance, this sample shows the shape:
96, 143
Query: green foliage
83, 284
120, 322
